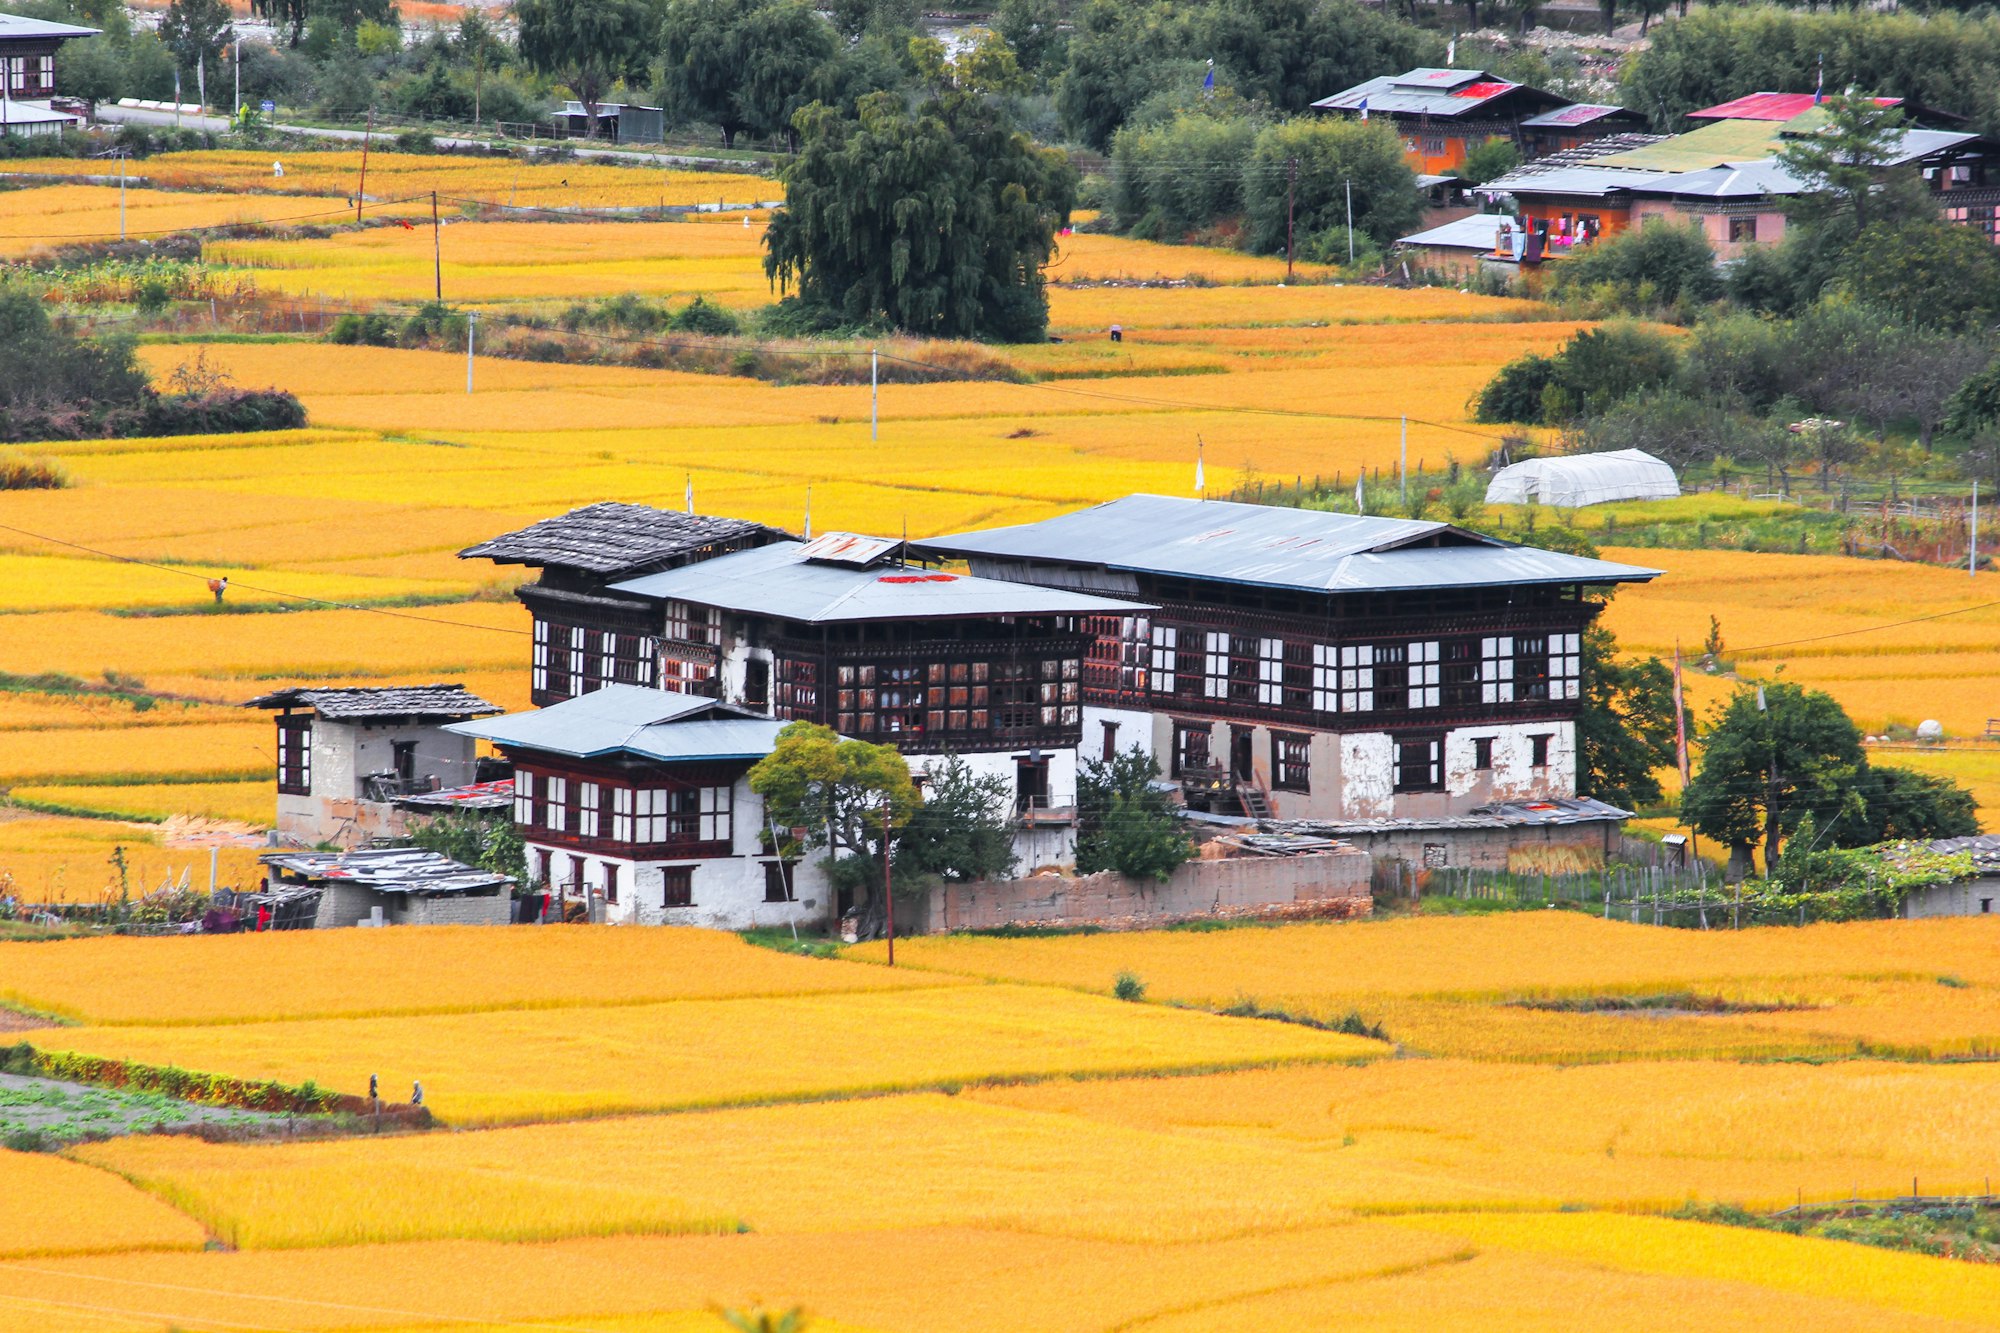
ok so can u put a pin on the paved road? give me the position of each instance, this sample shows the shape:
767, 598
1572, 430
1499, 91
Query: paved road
132, 115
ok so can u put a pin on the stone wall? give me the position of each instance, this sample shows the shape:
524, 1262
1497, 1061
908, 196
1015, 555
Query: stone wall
1326, 885
1482, 849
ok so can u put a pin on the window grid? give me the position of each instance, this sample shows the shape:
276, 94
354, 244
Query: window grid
1166, 645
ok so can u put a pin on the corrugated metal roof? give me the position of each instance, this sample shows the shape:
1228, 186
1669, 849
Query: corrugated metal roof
36, 113
778, 580
388, 870
848, 548
1226, 542
1922, 143
627, 719
1581, 113
1590, 182
1498, 815
614, 538
600, 722
1733, 180
1478, 231
359, 702
16, 26
496, 795
1431, 92
1769, 106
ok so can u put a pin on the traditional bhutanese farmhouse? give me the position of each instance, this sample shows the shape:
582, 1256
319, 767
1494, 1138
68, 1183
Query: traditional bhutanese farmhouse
1443, 114
28, 49
587, 634
346, 756
636, 808
844, 632
1319, 666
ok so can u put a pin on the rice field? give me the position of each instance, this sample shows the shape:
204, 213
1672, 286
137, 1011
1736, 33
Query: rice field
1033, 1156
509, 1065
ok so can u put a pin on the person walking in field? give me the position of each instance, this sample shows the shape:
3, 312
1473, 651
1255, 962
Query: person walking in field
1118, 333
219, 587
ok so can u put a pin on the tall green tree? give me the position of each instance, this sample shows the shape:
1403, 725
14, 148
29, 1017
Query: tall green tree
961, 831
195, 30
746, 66
1772, 756
1306, 170
1845, 160
588, 44
849, 796
1123, 823
1625, 727
937, 221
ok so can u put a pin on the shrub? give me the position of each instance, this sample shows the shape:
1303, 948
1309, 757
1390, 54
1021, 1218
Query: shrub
704, 316
31, 474
1659, 266
1330, 154
1181, 176
1129, 987
1515, 394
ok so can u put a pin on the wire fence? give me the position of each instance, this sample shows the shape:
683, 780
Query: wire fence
1687, 897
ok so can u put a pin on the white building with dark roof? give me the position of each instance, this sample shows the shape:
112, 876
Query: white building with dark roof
1316, 665
636, 808
347, 755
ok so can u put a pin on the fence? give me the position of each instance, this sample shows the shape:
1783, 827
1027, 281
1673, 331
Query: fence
1693, 897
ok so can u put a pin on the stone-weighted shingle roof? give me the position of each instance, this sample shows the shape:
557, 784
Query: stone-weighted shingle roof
614, 538
360, 702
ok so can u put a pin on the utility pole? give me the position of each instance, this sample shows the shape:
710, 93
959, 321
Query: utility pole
437, 253
874, 385
888, 893
236, 64
361, 191
1350, 224
471, 323
121, 194
1972, 545
1403, 465
1291, 200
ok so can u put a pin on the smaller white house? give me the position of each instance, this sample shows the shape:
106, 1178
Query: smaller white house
1571, 481
346, 756
636, 808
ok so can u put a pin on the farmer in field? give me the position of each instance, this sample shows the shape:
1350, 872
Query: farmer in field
219, 587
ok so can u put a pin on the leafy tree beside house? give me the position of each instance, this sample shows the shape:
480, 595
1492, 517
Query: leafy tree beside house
961, 831
1625, 726
1123, 823
588, 44
849, 796
1764, 769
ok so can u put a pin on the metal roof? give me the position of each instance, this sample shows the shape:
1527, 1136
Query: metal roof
1593, 182
17, 112
780, 581
1769, 106
1477, 231
1580, 113
1984, 848
613, 538
361, 702
1915, 144
1732, 180
388, 870
1498, 815
629, 719
848, 548
1432, 92
1269, 546
496, 795
14, 26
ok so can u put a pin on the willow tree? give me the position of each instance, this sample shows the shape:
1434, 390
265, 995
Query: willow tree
936, 221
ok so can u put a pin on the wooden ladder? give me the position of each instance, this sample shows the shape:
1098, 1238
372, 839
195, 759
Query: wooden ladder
1256, 803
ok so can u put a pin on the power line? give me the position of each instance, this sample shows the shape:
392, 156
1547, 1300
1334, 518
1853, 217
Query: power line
251, 587
1865, 629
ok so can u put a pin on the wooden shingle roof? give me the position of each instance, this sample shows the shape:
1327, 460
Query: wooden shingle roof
614, 538
358, 703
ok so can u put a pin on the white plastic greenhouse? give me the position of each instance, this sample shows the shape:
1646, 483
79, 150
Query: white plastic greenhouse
1574, 480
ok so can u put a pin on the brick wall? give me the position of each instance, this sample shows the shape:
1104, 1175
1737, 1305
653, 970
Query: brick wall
1329, 885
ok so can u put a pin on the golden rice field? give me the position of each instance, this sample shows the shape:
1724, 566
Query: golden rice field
1042, 1170
458, 180
506, 1065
